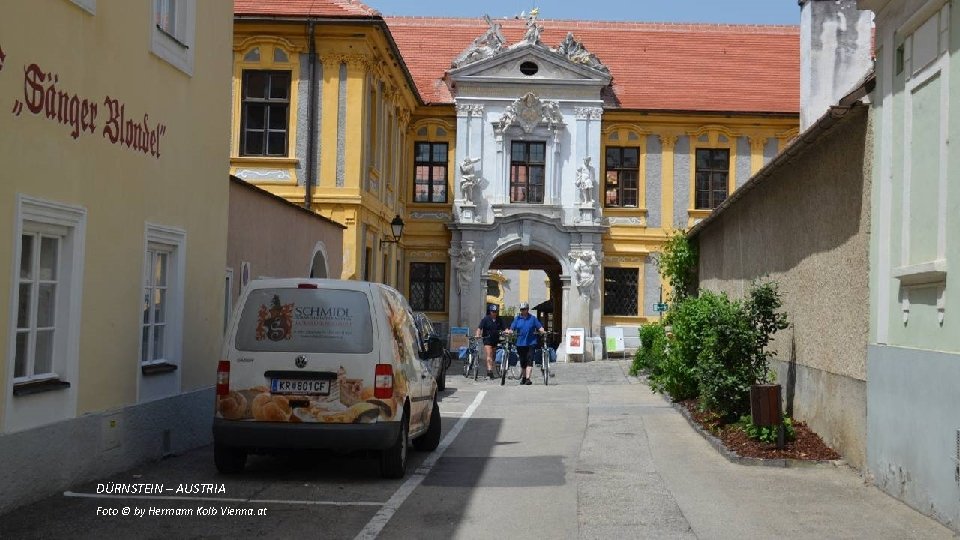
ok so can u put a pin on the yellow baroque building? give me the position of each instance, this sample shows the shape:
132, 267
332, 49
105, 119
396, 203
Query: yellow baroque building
570, 147
114, 111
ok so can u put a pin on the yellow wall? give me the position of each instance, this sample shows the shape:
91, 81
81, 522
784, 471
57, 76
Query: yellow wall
366, 209
108, 54
627, 246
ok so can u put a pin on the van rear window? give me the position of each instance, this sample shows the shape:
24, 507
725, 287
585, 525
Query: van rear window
306, 320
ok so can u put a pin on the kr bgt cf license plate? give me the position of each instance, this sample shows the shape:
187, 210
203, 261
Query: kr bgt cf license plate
314, 387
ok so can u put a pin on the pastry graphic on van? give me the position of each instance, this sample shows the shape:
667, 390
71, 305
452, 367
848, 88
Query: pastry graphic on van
276, 322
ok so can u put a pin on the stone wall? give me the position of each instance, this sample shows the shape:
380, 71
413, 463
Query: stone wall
803, 221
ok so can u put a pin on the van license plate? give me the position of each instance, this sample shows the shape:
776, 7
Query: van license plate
313, 387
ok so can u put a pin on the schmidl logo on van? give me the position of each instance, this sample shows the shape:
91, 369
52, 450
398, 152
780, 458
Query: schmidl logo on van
306, 320
321, 314
276, 322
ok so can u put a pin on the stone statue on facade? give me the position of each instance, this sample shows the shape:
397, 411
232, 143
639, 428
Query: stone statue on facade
532, 34
468, 178
485, 46
577, 53
551, 114
466, 261
584, 269
584, 182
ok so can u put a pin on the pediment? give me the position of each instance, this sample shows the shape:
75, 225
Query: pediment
551, 67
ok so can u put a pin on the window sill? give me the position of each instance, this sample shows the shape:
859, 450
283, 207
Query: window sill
172, 37
426, 205
267, 161
624, 210
38, 387
157, 369
927, 273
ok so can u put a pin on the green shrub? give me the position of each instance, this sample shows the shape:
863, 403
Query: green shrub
724, 368
677, 264
761, 307
647, 357
767, 434
676, 373
674, 376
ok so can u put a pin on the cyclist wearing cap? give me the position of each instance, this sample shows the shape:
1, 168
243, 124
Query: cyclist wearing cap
489, 329
526, 327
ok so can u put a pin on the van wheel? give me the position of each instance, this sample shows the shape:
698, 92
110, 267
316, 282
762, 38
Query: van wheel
393, 460
229, 460
442, 377
430, 440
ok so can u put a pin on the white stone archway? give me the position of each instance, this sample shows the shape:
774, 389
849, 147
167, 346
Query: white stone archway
475, 247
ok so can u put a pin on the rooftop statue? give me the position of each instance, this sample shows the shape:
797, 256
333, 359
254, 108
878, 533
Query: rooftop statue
492, 43
532, 34
577, 53
485, 46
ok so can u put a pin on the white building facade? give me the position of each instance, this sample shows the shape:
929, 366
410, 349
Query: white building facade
528, 156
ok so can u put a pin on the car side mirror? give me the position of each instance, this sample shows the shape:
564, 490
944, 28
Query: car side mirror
434, 347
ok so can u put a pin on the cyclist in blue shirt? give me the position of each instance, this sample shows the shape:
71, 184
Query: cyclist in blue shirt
526, 327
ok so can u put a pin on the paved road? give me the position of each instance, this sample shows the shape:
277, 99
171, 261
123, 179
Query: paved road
594, 456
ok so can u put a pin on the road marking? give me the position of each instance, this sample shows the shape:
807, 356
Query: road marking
219, 499
380, 519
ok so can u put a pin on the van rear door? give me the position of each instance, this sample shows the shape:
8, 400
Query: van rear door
306, 354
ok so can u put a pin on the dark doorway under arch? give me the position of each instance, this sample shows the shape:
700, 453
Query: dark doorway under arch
533, 259
318, 268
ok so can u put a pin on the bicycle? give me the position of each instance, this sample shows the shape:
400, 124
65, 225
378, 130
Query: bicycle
471, 364
508, 343
544, 357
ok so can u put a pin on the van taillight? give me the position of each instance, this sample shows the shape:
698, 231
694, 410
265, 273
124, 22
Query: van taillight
383, 382
223, 378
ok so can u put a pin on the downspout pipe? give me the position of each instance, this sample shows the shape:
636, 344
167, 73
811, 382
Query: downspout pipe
312, 117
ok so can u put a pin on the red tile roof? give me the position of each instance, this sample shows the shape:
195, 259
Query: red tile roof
303, 8
678, 67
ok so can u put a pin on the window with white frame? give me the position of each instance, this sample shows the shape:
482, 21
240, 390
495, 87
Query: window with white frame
161, 317
923, 57
46, 295
37, 284
155, 303
174, 32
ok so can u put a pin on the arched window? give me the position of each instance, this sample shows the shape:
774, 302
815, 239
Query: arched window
319, 267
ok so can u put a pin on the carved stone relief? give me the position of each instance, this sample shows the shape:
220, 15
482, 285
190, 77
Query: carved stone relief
465, 261
530, 111
588, 113
442, 216
585, 267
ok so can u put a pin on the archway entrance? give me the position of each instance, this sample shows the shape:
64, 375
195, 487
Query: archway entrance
318, 267
528, 267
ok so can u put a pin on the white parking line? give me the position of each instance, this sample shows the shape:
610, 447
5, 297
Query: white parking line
380, 519
219, 499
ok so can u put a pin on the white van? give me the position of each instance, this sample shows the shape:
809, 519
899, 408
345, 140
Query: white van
323, 364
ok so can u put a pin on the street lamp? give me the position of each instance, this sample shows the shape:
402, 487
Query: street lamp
396, 226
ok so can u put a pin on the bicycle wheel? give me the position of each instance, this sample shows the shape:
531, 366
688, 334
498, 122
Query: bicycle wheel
466, 365
504, 366
476, 366
545, 358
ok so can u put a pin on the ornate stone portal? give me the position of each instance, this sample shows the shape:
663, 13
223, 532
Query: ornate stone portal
556, 118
